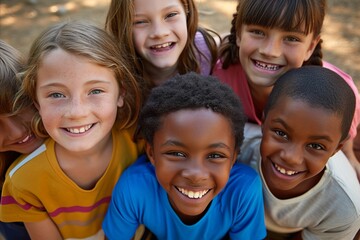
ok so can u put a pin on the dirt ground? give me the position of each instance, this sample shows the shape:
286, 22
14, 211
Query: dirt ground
22, 20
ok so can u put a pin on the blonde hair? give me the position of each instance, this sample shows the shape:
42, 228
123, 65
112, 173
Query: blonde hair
87, 40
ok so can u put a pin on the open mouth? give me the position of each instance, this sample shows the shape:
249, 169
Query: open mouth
26, 139
266, 66
193, 194
284, 171
162, 47
79, 130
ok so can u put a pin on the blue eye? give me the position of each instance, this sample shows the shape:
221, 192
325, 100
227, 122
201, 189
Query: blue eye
173, 14
56, 95
96, 91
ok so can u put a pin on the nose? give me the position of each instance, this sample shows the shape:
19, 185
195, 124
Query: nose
77, 108
293, 154
195, 171
271, 47
159, 29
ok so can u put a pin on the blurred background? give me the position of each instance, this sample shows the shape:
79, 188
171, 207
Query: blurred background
22, 20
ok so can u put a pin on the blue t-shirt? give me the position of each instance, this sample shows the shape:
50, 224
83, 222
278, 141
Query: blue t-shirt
138, 198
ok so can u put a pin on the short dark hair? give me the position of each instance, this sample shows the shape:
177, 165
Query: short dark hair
192, 91
320, 87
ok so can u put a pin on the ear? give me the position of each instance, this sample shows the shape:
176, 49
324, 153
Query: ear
236, 153
36, 105
150, 152
120, 101
341, 145
238, 40
311, 48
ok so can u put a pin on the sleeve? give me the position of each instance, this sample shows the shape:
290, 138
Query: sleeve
347, 78
203, 55
120, 219
19, 205
249, 220
346, 231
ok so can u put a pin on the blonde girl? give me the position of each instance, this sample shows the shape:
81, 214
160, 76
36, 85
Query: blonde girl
88, 103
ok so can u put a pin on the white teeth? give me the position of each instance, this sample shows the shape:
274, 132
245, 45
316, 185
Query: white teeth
284, 171
267, 66
192, 194
162, 45
79, 130
25, 139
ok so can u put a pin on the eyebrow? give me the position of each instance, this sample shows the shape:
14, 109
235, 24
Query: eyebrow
213, 145
163, 10
288, 128
58, 84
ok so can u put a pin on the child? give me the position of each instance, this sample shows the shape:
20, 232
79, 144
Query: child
267, 39
79, 82
191, 188
162, 37
306, 121
16, 136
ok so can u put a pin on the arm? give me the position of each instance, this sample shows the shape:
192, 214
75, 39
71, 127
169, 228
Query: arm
44, 230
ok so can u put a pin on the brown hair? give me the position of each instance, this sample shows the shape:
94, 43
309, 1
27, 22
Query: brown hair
11, 63
283, 14
120, 24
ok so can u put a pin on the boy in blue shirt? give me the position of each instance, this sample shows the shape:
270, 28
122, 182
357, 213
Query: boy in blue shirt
191, 188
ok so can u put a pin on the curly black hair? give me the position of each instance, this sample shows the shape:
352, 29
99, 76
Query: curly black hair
191, 91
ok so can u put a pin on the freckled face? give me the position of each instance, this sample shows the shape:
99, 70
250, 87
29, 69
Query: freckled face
77, 100
193, 152
297, 142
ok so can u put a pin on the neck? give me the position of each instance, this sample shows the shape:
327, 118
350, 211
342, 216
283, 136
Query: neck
159, 75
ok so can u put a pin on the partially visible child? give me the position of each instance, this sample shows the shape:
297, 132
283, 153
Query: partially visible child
88, 103
307, 192
267, 39
162, 37
191, 188
16, 136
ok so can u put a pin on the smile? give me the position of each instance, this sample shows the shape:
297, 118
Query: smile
284, 171
79, 130
192, 194
267, 66
164, 45
27, 138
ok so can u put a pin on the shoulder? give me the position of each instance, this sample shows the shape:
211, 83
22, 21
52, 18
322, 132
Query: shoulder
30, 163
243, 180
233, 73
344, 179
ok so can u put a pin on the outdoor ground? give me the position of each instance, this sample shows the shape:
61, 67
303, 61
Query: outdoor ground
22, 20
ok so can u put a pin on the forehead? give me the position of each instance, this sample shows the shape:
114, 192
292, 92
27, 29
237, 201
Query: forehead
196, 127
306, 118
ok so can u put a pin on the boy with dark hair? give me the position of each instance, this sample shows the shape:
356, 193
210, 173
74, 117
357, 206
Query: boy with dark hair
191, 188
307, 192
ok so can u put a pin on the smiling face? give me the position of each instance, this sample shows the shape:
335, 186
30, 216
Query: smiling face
267, 53
297, 142
160, 33
15, 133
193, 152
77, 100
